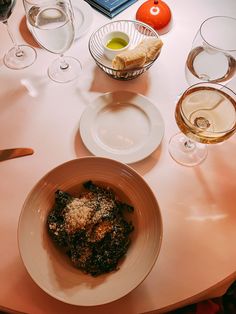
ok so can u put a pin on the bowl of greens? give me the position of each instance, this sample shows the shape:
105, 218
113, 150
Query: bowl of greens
84, 229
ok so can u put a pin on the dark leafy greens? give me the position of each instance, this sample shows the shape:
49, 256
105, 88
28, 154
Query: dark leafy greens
91, 228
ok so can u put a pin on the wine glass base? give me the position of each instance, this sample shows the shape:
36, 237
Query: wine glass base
186, 152
20, 57
63, 75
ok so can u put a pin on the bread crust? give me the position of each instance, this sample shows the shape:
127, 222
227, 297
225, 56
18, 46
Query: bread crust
146, 51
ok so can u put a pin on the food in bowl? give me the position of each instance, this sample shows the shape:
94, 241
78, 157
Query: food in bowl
49, 267
146, 51
91, 228
137, 31
115, 42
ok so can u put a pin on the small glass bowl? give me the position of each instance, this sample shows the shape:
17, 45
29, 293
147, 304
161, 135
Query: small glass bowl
137, 31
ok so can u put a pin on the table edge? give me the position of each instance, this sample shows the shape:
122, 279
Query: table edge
219, 288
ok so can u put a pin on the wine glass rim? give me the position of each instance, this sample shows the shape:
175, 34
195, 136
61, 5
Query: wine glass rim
210, 84
212, 18
204, 84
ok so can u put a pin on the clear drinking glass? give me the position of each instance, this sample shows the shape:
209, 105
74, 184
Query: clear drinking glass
20, 56
213, 53
52, 24
205, 114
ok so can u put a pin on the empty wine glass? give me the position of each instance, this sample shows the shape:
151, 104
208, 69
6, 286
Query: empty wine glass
20, 56
206, 114
52, 24
213, 53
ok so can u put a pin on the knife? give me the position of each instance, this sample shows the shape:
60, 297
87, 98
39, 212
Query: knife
14, 153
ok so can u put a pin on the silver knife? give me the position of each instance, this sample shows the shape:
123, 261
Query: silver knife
14, 153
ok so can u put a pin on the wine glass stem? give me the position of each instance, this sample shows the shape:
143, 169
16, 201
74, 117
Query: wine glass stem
64, 65
19, 52
189, 145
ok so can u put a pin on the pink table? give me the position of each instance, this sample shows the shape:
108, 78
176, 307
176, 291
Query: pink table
198, 255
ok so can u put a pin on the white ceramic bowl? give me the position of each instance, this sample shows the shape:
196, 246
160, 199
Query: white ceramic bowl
111, 53
52, 270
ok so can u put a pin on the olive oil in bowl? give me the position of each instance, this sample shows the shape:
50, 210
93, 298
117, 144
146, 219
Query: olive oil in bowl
117, 43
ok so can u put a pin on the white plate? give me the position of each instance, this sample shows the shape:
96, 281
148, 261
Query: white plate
122, 125
83, 17
52, 270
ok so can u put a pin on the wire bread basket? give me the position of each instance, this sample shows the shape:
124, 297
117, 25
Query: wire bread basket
137, 32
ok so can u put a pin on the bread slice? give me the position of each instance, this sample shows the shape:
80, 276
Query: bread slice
151, 47
145, 52
129, 60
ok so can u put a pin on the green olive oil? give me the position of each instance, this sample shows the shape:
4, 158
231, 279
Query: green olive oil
116, 43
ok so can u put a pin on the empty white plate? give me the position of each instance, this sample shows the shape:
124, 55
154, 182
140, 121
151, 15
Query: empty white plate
122, 125
83, 17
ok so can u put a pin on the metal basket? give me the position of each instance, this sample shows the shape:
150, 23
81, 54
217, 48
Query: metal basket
136, 30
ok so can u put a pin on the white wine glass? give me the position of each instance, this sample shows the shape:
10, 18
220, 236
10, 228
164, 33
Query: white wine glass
213, 54
51, 22
205, 114
19, 56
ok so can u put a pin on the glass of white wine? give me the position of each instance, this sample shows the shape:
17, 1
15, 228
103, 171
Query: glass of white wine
51, 22
19, 56
205, 114
213, 54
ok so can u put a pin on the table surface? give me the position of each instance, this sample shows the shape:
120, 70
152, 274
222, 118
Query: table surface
197, 204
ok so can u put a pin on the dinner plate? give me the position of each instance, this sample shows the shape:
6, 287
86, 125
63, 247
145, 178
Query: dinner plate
52, 270
122, 125
83, 13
